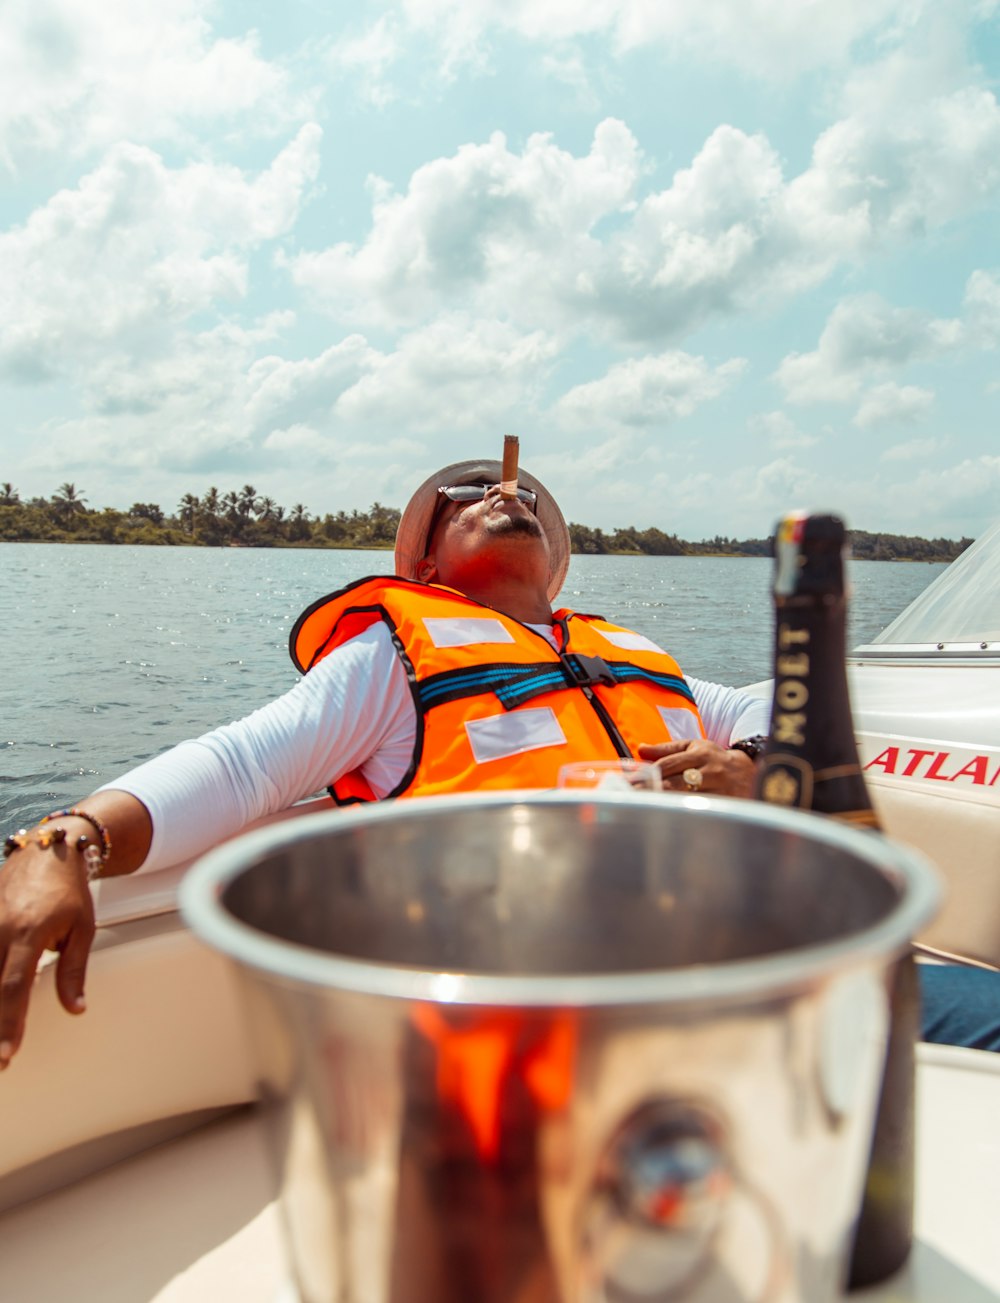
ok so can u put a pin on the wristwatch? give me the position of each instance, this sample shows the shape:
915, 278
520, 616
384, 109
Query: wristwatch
750, 746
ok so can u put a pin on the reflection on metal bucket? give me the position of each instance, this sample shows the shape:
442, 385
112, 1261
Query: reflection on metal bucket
661, 1192
547, 1048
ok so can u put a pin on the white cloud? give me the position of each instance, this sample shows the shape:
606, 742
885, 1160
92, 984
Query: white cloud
933, 499
206, 367
949, 501
602, 462
705, 244
731, 228
78, 77
913, 450
213, 407
864, 336
961, 498
134, 249
688, 496
877, 180
646, 392
570, 68
982, 306
780, 483
185, 408
552, 240
890, 403
780, 430
518, 235
456, 373
303, 393
762, 37
485, 229
368, 59
302, 443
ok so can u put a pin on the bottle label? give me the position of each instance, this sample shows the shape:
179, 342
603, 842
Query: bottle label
791, 688
787, 781
791, 781
811, 760
788, 552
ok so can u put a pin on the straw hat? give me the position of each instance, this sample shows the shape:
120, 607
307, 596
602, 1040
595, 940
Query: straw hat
412, 540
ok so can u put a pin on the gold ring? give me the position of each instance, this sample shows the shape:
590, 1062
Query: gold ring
692, 779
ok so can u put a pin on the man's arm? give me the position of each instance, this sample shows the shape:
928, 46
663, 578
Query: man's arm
729, 714
353, 709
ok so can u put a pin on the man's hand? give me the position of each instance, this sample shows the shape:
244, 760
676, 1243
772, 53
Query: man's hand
723, 772
45, 904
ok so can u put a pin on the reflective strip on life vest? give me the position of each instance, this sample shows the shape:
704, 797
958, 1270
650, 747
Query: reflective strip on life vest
501, 736
629, 641
681, 724
465, 631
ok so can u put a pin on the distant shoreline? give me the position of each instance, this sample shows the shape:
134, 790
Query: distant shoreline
244, 518
696, 550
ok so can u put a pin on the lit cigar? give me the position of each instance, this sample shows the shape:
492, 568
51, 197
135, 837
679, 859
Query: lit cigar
508, 475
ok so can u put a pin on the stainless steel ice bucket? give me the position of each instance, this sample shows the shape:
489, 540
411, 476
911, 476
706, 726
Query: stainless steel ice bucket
559, 1048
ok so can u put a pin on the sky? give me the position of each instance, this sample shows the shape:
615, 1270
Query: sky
709, 259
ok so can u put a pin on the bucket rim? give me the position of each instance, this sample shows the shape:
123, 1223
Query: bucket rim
739, 981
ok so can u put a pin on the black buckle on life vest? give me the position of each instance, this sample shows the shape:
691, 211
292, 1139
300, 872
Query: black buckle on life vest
586, 671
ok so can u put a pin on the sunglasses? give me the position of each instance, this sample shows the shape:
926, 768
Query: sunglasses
470, 493
476, 493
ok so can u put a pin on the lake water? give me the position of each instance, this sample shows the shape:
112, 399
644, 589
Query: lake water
114, 653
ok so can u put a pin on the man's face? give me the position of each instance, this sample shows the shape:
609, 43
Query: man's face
492, 532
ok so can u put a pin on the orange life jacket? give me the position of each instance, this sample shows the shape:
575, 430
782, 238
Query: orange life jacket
497, 706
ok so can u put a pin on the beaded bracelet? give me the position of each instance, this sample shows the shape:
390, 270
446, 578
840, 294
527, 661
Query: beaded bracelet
94, 856
93, 860
94, 822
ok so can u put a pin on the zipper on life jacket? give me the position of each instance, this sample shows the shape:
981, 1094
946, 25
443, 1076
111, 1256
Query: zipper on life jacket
600, 710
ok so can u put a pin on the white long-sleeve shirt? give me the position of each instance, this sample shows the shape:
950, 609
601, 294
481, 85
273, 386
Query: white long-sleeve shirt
352, 711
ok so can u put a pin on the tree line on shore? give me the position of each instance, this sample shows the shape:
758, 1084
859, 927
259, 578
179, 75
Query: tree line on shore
865, 546
245, 518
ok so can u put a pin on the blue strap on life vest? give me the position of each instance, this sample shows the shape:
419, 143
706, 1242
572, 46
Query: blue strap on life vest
513, 685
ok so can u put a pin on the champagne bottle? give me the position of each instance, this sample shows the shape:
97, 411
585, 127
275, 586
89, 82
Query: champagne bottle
811, 761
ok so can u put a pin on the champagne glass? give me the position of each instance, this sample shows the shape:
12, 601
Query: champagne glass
611, 775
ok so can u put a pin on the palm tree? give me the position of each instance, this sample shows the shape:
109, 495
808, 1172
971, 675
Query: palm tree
8, 495
247, 501
188, 512
383, 522
298, 524
67, 502
213, 525
67, 493
235, 518
211, 503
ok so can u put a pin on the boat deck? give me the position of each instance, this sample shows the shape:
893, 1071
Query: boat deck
193, 1221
